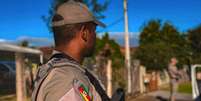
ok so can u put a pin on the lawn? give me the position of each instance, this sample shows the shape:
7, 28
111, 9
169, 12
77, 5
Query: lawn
183, 88
9, 95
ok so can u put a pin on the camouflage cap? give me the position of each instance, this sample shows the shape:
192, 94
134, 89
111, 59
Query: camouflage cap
74, 12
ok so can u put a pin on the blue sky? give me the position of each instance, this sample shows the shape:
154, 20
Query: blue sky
21, 19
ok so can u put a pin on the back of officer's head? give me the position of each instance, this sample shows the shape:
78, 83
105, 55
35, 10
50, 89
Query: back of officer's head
66, 33
74, 25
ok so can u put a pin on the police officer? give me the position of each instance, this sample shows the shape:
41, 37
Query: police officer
62, 78
174, 77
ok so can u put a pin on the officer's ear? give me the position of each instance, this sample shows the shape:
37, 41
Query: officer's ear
84, 33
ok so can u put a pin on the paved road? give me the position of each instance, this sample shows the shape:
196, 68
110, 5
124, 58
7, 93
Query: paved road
161, 96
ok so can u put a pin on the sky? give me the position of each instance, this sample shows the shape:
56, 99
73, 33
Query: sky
21, 19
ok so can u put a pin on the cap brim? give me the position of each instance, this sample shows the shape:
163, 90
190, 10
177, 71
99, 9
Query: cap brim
99, 23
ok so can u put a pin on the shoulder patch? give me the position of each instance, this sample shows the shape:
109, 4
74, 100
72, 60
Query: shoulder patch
83, 90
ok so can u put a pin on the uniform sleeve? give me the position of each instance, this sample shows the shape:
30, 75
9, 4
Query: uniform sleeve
79, 92
71, 95
67, 85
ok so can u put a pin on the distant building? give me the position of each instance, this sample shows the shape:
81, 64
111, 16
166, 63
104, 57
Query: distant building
7, 52
47, 51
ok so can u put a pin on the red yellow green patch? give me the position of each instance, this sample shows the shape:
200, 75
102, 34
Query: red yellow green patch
84, 92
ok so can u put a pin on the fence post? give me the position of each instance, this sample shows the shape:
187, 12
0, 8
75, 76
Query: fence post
19, 77
109, 78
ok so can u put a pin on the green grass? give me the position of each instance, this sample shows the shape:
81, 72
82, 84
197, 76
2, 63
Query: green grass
9, 95
185, 88
8, 98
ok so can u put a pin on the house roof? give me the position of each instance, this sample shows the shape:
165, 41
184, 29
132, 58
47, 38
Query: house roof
15, 48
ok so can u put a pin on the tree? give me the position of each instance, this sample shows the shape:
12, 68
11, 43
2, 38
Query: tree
107, 48
150, 32
194, 35
158, 43
194, 38
24, 43
96, 8
113, 46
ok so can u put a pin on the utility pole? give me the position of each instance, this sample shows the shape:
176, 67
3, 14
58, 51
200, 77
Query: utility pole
127, 49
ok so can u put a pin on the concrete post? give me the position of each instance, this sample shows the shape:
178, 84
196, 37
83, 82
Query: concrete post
19, 77
109, 78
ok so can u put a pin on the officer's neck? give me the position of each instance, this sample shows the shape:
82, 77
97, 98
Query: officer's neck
73, 52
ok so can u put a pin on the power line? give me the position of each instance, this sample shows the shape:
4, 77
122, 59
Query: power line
112, 24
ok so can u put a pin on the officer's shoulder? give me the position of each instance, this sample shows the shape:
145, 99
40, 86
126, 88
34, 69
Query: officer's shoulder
66, 73
60, 80
64, 66
68, 69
